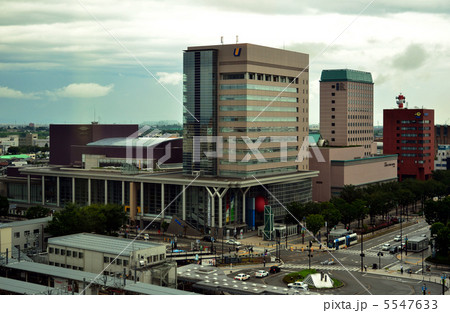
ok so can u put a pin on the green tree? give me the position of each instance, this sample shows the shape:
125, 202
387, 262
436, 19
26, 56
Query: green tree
443, 240
4, 206
351, 193
314, 222
36, 212
332, 216
435, 228
360, 210
437, 211
97, 218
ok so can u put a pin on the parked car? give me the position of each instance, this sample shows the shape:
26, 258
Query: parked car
274, 269
146, 237
386, 247
242, 277
397, 238
261, 273
233, 242
327, 262
298, 285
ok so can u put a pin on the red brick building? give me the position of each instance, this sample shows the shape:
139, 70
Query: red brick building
409, 133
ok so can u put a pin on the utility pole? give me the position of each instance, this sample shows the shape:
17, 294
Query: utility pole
443, 277
309, 255
362, 253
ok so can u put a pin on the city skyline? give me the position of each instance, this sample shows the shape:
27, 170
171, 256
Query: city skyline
73, 62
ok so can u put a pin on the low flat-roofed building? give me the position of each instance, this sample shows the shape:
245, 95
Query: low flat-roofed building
417, 244
27, 235
342, 166
111, 256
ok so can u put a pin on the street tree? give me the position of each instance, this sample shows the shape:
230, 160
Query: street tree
36, 212
314, 222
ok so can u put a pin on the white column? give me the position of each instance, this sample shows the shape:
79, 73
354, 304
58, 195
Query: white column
142, 199
43, 190
183, 201
28, 189
89, 191
220, 205
106, 191
162, 201
123, 192
73, 189
212, 197
244, 193
57, 192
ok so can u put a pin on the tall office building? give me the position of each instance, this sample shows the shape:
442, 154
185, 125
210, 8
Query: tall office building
410, 134
346, 109
243, 92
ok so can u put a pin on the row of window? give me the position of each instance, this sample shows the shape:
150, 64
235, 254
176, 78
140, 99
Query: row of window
359, 124
358, 109
66, 266
261, 150
268, 108
415, 154
257, 98
259, 172
261, 77
414, 141
69, 253
233, 139
414, 121
115, 261
366, 131
355, 139
414, 135
413, 128
26, 233
258, 129
258, 87
256, 161
359, 117
414, 148
258, 119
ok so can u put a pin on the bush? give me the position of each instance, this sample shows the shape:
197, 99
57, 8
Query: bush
293, 277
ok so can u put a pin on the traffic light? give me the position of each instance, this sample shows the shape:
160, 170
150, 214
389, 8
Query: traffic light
310, 244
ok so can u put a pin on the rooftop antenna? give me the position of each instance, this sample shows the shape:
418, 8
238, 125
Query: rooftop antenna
237, 38
221, 39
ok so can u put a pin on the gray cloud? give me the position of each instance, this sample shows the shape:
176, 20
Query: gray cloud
411, 58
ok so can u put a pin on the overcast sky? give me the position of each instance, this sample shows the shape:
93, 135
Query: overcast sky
63, 60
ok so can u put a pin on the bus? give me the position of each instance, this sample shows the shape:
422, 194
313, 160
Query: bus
347, 241
351, 239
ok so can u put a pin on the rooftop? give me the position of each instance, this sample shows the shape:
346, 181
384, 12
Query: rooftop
15, 156
54, 271
346, 75
24, 288
105, 244
134, 142
27, 222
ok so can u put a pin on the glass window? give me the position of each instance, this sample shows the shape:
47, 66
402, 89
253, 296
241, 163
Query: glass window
75, 254
17, 235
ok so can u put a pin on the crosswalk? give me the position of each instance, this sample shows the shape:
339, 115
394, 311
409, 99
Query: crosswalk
335, 267
357, 252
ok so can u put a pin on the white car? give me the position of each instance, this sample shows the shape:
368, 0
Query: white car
298, 285
386, 247
233, 242
261, 273
397, 238
242, 277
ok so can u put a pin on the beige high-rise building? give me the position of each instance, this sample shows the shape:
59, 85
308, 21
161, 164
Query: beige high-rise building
243, 90
346, 109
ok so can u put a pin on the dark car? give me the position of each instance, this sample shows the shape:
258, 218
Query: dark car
208, 238
394, 250
274, 269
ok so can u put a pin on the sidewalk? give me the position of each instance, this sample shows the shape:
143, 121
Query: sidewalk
425, 278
